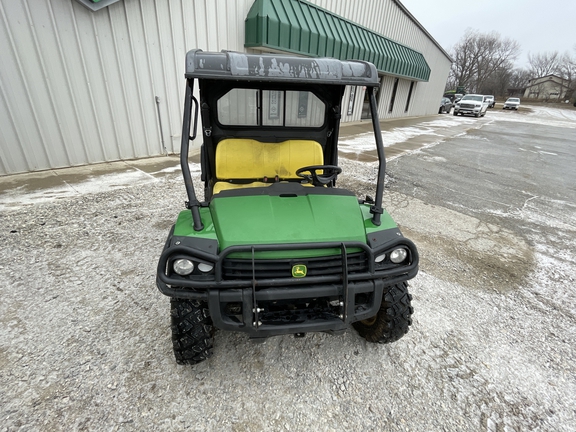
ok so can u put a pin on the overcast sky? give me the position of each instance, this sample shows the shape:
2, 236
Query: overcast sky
537, 25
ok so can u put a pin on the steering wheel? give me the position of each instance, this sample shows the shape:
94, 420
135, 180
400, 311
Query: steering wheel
310, 173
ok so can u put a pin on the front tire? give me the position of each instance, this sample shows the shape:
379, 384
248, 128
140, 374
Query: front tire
191, 331
393, 318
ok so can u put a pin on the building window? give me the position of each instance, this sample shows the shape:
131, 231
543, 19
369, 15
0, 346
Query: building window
303, 104
351, 100
409, 96
393, 98
251, 107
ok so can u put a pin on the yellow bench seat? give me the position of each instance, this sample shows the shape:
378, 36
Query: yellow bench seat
248, 159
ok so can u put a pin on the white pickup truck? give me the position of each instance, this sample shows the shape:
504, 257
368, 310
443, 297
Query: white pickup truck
473, 104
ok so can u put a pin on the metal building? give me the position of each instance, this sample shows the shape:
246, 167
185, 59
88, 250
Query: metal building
88, 81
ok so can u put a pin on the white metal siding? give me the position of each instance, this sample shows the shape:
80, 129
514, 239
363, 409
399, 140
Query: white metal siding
79, 87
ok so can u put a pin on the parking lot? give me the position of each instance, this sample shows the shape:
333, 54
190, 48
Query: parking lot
491, 205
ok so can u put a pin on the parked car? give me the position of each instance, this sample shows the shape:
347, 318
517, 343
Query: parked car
445, 105
511, 103
491, 101
473, 104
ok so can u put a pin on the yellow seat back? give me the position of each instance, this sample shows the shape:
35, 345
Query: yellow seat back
239, 158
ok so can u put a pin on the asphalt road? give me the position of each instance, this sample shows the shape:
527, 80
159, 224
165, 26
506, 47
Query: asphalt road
495, 169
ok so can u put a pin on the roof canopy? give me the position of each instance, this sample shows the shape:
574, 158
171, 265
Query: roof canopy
300, 27
275, 68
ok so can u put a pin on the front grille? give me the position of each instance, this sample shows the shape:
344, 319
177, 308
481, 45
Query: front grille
272, 269
467, 106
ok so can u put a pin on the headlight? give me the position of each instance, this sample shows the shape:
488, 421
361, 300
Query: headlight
380, 258
398, 255
205, 268
183, 267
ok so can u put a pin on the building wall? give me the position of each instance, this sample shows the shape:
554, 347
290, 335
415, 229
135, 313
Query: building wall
548, 87
388, 18
80, 87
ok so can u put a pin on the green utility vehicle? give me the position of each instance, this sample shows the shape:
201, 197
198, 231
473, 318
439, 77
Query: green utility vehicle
275, 247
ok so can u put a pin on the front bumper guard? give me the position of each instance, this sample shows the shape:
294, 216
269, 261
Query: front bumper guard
251, 292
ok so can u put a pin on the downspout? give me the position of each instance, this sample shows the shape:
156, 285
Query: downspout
160, 124
376, 209
193, 204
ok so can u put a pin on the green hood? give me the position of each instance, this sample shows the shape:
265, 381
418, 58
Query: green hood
265, 219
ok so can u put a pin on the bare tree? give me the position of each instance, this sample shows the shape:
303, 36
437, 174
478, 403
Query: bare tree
479, 56
542, 64
506, 82
567, 70
519, 78
499, 83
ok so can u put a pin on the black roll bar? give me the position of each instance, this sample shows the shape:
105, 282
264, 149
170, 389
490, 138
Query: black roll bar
376, 209
193, 204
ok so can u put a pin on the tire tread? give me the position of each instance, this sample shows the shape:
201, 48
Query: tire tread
393, 318
191, 331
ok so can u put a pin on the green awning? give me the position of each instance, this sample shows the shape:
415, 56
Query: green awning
300, 27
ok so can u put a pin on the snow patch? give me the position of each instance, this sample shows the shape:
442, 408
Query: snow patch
19, 197
539, 115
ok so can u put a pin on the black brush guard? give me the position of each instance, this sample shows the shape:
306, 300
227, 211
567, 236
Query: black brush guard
252, 297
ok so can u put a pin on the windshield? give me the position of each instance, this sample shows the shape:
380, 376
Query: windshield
253, 107
513, 100
473, 97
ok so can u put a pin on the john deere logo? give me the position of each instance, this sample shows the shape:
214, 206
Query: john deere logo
299, 271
